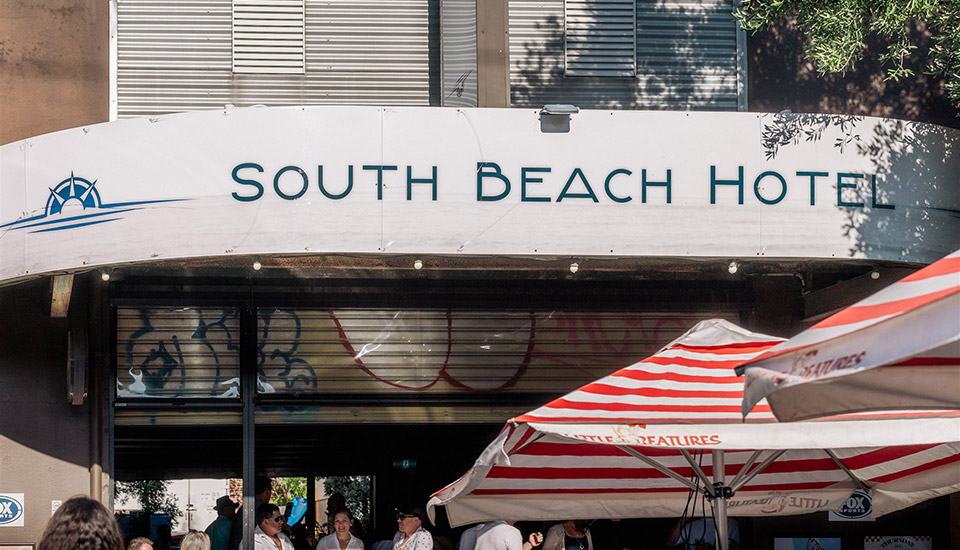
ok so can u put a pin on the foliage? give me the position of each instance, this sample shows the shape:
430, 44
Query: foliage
837, 30
356, 490
790, 128
153, 498
285, 488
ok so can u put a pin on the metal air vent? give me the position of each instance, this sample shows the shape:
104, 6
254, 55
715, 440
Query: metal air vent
600, 38
268, 36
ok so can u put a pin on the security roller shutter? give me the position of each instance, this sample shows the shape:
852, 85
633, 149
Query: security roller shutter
177, 55
423, 352
176, 353
686, 58
599, 37
268, 36
373, 365
374, 52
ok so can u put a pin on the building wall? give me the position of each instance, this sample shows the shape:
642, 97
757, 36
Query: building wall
686, 59
44, 442
178, 56
54, 66
54, 73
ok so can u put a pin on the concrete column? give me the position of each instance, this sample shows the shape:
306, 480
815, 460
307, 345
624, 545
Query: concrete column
54, 66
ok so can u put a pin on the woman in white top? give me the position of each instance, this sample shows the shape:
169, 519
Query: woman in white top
412, 535
341, 538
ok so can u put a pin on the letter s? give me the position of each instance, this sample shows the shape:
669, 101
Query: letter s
242, 181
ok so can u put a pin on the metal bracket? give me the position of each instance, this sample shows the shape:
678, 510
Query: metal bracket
722, 490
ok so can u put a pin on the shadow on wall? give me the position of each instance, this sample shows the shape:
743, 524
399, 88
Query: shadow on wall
541, 80
781, 78
682, 62
33, 390
918, 166
914, 207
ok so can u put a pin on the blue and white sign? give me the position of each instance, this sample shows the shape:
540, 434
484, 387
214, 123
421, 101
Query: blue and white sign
443, 181
11, 509
858, 507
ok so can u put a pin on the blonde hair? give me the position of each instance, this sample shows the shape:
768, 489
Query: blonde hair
195, 540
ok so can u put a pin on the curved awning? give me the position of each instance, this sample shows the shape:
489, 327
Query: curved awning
456, 182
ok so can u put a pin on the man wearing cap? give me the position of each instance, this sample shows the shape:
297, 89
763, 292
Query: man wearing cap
411, 534
219, 530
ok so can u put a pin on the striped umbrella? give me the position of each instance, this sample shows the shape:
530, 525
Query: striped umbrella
635, 443
897, 349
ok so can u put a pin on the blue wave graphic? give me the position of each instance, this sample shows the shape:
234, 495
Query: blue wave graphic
63, 223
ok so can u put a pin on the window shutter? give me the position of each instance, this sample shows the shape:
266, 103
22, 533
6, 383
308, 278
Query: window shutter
600, 38
268, 36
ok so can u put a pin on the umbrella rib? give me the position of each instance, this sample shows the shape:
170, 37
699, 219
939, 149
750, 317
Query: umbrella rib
696, 467
859, 482
662, 469
756, 471
743, 471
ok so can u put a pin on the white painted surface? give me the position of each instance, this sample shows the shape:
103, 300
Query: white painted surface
190, 158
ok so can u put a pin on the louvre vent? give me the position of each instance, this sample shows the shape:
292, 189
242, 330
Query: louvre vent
600, 38
688, 58
268, 36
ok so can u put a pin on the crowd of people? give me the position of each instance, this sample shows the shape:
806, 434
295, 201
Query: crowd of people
84, 524
606, 534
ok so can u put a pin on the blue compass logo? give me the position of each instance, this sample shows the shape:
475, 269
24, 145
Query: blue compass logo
75, 202
73, 193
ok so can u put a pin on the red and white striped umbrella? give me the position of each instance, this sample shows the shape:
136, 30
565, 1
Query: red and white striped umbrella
633, 444
897, 349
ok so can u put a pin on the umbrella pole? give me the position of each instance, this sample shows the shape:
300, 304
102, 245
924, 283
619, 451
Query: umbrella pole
720, 503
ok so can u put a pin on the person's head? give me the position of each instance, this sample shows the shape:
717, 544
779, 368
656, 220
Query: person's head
269, 518
581, 525
409, 519
226, 507
335, 502
263, 488
195, 540
140, 543
81, 523
342, 522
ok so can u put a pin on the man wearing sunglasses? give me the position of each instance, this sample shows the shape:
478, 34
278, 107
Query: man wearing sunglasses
267, 535
411, 534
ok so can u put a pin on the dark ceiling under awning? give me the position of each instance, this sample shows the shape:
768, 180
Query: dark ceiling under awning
178, 452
